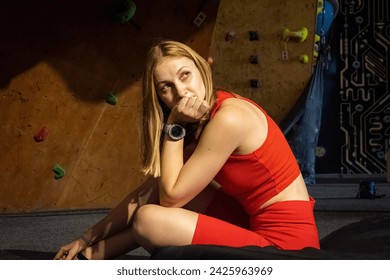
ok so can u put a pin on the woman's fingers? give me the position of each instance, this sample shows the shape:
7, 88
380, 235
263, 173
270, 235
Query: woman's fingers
71, 254
192, 108
199, 108
61, 254
69, 251
184, 103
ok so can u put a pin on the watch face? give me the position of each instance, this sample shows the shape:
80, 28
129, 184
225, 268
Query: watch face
177, 131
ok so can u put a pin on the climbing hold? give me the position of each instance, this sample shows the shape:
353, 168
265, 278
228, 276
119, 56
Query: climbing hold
254, 83
284, 55
41, 135
317, 43
59, 172
124, 11
299, 35
111, 99
199, 19
253, 36
230, 36
254, 59
304, 58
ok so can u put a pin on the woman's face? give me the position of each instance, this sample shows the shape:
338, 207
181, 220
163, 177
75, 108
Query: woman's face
175, 77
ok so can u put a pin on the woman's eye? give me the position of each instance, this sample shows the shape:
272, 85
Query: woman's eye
164, 88
185, 75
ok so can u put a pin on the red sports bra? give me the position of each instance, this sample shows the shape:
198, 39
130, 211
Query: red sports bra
255, 178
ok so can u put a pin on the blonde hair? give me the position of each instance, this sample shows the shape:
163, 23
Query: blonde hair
154, 111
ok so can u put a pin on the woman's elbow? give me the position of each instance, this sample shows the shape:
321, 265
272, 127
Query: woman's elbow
170, 202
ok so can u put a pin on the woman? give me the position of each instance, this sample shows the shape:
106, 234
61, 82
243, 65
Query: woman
221, 171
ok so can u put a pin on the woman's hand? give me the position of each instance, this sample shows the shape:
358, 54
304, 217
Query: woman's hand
70, 251
190, 109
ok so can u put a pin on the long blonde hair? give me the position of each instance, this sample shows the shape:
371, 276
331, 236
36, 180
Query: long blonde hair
154, 111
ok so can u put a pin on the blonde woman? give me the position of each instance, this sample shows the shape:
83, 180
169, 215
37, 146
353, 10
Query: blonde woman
220, 171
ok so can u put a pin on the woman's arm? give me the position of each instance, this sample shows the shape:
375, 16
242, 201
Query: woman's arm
180, 182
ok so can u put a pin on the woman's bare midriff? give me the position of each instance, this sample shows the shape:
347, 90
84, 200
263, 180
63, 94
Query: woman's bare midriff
295, 191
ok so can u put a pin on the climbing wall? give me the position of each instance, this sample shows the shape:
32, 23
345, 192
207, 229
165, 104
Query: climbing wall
63, 146
251, 56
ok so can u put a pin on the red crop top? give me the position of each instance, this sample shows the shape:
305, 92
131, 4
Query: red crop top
255, 178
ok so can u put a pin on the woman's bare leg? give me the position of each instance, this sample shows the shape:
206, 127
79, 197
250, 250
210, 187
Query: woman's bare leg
112, 236
115, 243
157, 226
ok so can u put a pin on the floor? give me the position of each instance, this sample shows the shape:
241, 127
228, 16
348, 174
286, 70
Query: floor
39, 235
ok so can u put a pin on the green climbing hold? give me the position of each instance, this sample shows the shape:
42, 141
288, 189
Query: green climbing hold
124, 11
59, 172
111, 99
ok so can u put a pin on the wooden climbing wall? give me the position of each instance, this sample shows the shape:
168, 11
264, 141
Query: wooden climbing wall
59, 60
280, 81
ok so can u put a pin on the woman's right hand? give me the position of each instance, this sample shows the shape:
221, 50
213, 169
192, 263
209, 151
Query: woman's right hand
190, 109
70, 251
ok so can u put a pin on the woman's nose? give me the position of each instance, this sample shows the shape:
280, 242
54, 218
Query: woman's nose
181, 91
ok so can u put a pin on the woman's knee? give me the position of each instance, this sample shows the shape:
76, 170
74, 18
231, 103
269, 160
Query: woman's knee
156, 226
146, 218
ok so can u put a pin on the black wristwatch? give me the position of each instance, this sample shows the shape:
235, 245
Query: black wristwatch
175, 131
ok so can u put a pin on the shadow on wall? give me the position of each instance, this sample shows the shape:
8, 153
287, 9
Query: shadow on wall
80, 40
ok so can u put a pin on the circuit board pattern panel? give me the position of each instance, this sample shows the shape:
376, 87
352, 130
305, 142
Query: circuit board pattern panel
364, 85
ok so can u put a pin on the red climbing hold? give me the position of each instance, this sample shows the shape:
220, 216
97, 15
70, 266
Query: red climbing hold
41, 135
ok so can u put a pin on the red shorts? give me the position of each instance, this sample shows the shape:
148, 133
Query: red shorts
288, 225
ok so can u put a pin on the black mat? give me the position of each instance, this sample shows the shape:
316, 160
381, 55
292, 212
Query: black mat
364, 240
25, 255
37, 255
367, 239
